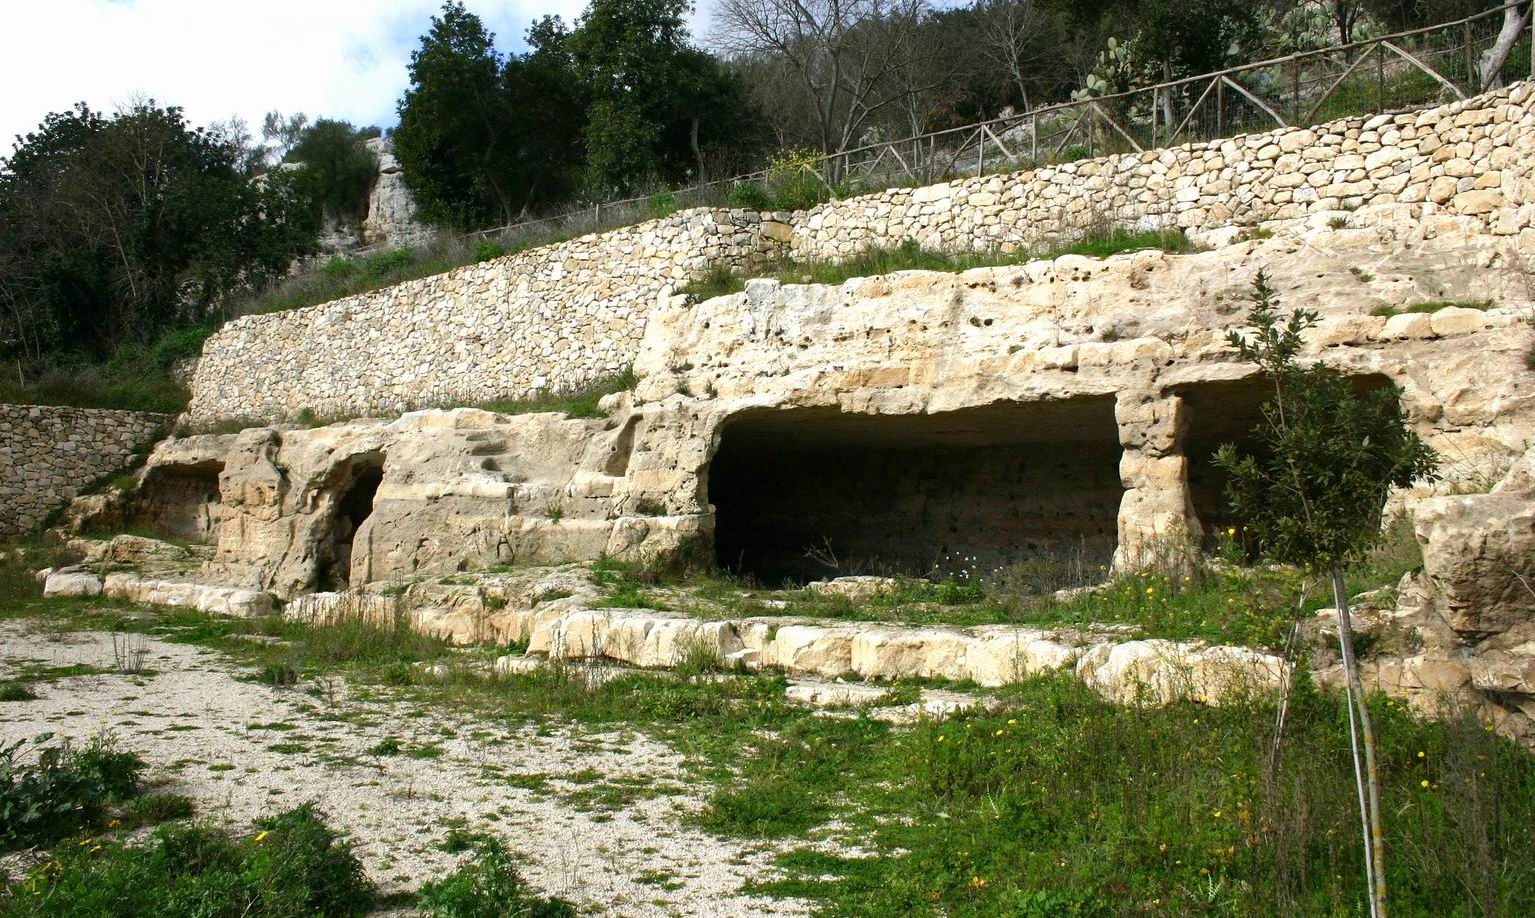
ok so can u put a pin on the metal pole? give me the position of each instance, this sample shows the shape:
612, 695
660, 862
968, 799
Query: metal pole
1034, 138
980, 156
1472, 81
1380, 78
1295, 93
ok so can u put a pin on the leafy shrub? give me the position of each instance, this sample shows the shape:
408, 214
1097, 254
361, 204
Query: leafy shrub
338, 169
339, 267
385, 265
294, 867
661, 204
488, 887
749, 195
487, 249
794, 182
66, 790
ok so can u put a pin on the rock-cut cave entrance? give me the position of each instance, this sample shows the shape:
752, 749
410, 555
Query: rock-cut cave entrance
801, 494
354, 504
179, 502
1227, 412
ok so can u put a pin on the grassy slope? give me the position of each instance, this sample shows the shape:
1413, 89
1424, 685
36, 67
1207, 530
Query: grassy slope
1056, 804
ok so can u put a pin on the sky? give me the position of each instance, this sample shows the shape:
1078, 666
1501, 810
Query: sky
220, 58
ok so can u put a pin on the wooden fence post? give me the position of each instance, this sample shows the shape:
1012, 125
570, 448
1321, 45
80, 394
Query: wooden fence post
1220, 107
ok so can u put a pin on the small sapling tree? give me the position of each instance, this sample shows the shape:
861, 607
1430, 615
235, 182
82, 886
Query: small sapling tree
1313, 494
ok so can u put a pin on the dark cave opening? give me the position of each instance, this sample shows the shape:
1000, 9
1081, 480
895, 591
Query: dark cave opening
801, 494
354, 504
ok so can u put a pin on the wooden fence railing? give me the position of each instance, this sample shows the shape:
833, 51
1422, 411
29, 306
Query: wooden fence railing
1403, 70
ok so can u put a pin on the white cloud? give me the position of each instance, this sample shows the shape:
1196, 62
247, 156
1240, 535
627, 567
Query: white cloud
217, 58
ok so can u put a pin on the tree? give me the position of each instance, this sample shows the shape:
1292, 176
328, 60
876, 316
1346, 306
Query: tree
120, 227
655, 100
1314, 496
1186, 37
842, 58
1516, 22
338, 167
455, 138
282, 132
1012, 37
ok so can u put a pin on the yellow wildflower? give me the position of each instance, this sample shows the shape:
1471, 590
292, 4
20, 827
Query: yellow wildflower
1424, 783
260, 837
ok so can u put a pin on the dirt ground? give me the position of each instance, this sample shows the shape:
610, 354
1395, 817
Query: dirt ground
242, 750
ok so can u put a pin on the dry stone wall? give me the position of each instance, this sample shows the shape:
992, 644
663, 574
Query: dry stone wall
564, 315
48, 454
550, 318
1471, 158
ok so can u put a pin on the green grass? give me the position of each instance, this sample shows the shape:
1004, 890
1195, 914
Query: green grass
1055, 803
908, 256
1063, 804
1431, 306
138, 377
1223, 603
16, 690
292, 866
488, 886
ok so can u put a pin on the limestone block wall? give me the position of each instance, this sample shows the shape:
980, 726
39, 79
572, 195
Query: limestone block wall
1471, 158
47, 454
563, 315
555, 317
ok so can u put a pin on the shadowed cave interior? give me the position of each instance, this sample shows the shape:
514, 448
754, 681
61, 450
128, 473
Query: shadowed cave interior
179, 502
354, 505
801, 494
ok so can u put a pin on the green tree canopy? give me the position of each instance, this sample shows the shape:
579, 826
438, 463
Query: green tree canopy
338, 168
1329, 455
118, 227
656, 102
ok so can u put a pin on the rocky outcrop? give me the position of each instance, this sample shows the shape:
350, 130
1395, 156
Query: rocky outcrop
1058, 408
563, 315
391, 219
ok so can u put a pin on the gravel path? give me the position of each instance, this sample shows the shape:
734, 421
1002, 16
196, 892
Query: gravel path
242, 750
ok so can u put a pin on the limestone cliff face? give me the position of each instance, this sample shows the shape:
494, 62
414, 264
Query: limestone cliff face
936, 423
566, 314
391, 219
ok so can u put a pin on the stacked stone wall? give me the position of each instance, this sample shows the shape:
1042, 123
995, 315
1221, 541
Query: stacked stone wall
47, 454
563, 315
551, 318
1471, 158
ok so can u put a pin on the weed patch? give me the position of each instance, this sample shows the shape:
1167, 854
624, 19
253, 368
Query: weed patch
292, 867
65, 790
909, 256
488, 886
